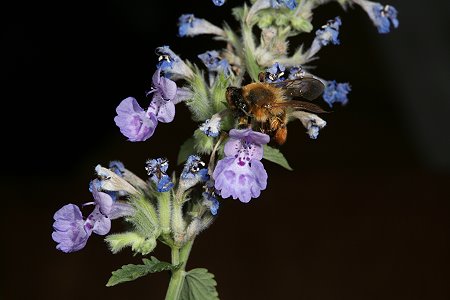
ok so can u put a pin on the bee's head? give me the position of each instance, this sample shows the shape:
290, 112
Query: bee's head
236, 100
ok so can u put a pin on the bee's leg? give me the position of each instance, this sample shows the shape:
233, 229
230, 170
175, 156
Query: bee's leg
262, 127
262, 76
281, 134
244, 122
279, 124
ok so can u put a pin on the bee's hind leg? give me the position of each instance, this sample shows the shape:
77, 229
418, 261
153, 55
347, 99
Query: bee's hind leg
280, 135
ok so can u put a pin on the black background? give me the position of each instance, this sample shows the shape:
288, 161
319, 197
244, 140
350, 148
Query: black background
364, 215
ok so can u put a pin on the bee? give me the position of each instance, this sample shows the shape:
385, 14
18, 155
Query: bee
265, 105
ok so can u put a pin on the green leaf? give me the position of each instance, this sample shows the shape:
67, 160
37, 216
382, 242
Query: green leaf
275, 156
185, 150
131, 272
199, 284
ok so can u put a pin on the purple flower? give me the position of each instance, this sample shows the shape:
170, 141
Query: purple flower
164, 91
133, 122
156, 169
162, 87
241, 174
69, 231
213, 62
336, 92
276, 73
98, 221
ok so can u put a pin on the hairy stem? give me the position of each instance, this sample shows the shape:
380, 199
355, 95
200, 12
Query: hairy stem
179, 256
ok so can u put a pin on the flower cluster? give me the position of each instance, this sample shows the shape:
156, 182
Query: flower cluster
242, 97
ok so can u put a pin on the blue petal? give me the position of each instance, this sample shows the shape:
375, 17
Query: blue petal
291, 4
336, 92
218, 2
164, 184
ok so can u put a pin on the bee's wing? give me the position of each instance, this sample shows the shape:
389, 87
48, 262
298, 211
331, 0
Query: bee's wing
300, 105
308, 88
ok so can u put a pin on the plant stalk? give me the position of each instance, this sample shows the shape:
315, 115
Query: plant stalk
179, 256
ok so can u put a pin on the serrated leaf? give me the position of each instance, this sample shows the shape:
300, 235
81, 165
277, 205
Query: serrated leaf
274, 155
131, 272
185, 150
199, 284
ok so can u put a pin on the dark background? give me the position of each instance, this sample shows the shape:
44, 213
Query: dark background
364, 215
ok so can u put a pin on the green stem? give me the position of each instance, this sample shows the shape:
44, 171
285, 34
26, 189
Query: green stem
179, 255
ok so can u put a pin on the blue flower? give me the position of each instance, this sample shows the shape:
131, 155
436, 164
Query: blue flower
291, 4
275, 73
218, 2
311, 122
185, 23
336, 92
213, 62
171, 64
156, 169
164, 184
381, 16
384, 17
194, 168
189, 25
210, 198
296, 72
117, 167
329, 32
211, 127
97, 185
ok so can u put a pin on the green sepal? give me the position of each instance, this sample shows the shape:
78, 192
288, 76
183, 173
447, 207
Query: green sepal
203, 144
199, 284
282, 20
131, 272
274, 155
185, 150
145, 220
238, 13
138, 243
265, 20
200, 104
301, 25
218, 90
251, 64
